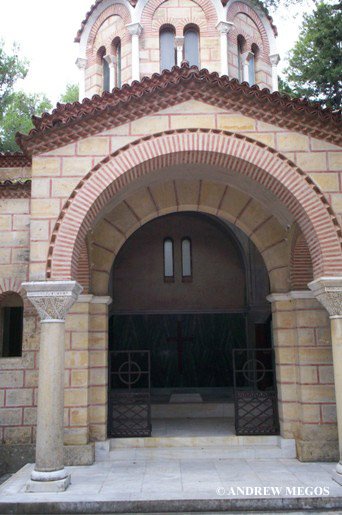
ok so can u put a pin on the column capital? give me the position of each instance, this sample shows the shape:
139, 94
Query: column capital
224, 26
274, 58
81, 63
109, 58
246, 56
328, 290
135, 29
52, 299
179, 41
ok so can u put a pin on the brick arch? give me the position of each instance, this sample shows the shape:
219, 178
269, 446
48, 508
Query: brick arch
301, 272
10, 285
206, 5
195, 195
240, 7
83, 270
113, 10
229, 151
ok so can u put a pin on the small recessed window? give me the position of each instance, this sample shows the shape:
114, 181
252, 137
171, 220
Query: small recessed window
186, 259
168, 260
167, 48
118, 62
11, 325
191, 46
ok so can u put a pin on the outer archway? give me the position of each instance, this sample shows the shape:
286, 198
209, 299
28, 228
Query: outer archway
242, 156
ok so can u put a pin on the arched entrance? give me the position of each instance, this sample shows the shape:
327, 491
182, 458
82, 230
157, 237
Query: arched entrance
190, 289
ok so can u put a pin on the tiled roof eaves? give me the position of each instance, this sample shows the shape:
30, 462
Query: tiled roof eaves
21, 182
70, 122
134, 2
14, 160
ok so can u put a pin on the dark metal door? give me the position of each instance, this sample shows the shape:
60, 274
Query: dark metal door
129, 394
255, 392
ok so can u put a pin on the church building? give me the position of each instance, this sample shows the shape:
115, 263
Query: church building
170, 249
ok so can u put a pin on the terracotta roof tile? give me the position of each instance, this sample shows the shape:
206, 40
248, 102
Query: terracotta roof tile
71, 122
134, 2
14, 160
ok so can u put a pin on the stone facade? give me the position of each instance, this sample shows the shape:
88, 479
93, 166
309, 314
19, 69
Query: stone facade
280, 186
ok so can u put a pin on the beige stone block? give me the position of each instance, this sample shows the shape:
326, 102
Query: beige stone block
39, 250
67, 150
150, 125
287, 337
306, 336
64, 187
79, 321
31, 378
19, 397
285, 320
326, 181
288, 392
97, 146
98, 340
102, 258
45, 208
10, 416
286, 373
99, 323
122, 217
314, 356
264, 137
79, 340
79, 377
13, 238
308, 374
118, 142
76, 397
98, 432
21, 222
323, 336
98, 359
14, 206
98, 395
120, 130
39, 230
211, 194
76, 359
326, 374
30, 416
233, 122
142, 204
233, 203
100, 283
335, 160
40, 187
312, 161
205, 121
98, 414
2, 398
98, 376
76, 166
319, 144
187, 193
107, 235
336, 202
164, 195
46, 166
292, 141
289, 411
319, 393
11, 379
79, 416
312, 318
310, 413
329, 413
285, 355
76, 436
5, 222
5, 256
37, 271
17, 435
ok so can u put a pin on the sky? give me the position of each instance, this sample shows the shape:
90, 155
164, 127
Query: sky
45, 31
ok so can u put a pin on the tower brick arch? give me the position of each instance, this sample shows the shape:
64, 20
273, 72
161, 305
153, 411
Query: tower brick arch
239, 154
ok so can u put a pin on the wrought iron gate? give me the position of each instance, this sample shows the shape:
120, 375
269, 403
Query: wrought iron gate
129, 393
255, 392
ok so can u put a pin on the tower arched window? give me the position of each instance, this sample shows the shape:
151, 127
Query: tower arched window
11, 325
186, 259
167, 48
191, 45
251, 65
168, 260
101, 55
241, 44
118, 62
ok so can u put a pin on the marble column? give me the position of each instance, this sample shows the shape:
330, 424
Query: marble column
111, 60
52, 300
224, 27
135, 30
328, 290
274, 58
81, 64
179, 44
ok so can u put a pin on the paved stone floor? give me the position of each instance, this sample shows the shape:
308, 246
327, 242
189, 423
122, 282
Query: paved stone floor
181, 480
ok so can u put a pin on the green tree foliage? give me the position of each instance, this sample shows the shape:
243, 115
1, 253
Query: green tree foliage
71, 94
315, 63
12, 68
20, 107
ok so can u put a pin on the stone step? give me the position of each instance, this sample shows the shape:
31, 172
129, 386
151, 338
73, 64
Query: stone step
193, 410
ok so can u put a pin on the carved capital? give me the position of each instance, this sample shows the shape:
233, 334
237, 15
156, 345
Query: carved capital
52, 299
135, 29
224, 26
246, 57
81, 63
328, 291
179, 41
110, 59
274, 58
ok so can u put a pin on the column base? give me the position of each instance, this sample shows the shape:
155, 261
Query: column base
337, 474
56, 481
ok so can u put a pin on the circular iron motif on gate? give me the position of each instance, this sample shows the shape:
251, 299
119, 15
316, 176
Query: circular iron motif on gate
129, 372
258, 370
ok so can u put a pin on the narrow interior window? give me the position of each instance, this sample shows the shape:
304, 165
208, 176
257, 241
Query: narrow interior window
240, 47
106, 75
168, 258
251, 70
167, 48
191, 46
186, 258
11, 325
117, 47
